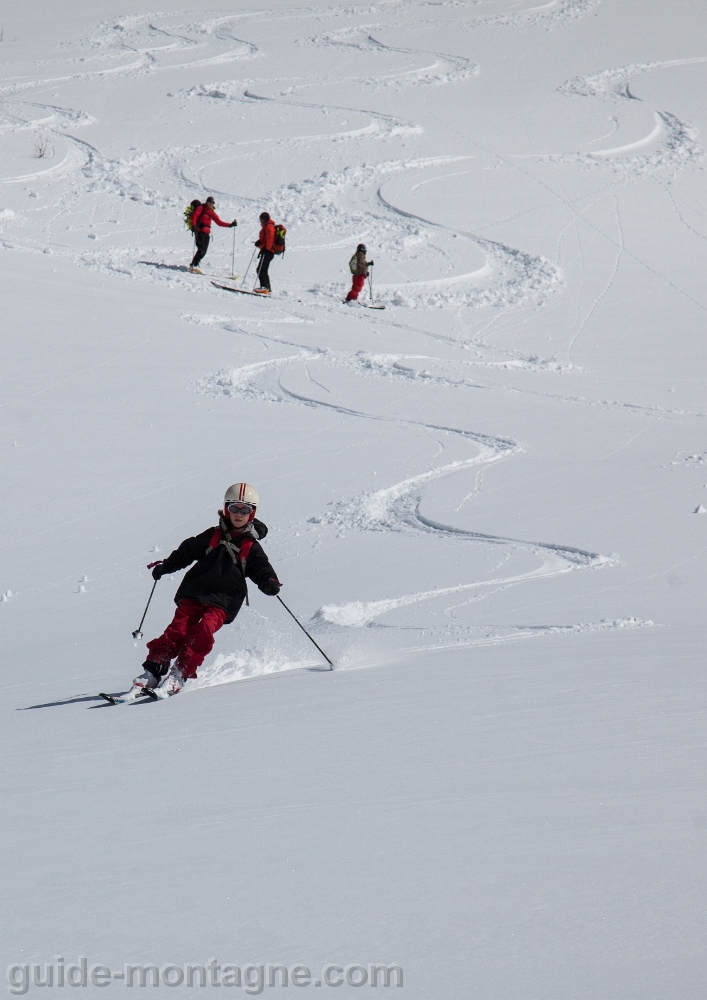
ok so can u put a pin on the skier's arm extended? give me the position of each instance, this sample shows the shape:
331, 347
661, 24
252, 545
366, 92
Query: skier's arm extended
220, 222
188, 551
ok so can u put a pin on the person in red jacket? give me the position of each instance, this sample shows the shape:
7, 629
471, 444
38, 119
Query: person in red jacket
201, 219
265, 242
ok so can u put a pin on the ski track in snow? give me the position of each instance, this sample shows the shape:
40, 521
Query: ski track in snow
344, 204
164, 46
612, 83
419, 369
549, 15
675, 142
397, 507
444, 69
351, 202
265, 659
380, 126
331, 203
147, 48
495, 635
400, 366
256, 661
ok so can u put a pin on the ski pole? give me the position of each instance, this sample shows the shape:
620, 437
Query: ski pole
331, 665
233, 255
248, 269
137, 634
370, 284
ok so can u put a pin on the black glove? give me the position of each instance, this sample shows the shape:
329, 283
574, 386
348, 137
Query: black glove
270, 587
158, 571
234, 223
257, 243
371, 263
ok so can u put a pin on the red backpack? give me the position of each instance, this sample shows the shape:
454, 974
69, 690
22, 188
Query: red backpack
246, 546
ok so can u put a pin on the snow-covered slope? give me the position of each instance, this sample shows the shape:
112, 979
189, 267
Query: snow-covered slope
485, 501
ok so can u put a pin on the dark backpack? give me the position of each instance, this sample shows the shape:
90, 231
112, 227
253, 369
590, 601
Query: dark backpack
188, 212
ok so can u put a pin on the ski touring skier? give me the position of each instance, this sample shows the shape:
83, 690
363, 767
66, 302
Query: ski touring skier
358, 265
200, 220
211, 593
265, 243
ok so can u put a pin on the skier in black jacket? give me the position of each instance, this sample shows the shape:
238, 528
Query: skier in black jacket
211, 593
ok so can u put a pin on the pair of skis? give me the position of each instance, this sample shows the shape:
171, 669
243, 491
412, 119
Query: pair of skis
243, 291
135, 694
365, 306
221, 277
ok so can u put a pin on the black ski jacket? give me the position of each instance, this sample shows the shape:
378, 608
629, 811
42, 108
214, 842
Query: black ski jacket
216, 579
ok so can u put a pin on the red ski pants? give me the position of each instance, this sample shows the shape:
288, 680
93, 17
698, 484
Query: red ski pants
189, 636
359, 280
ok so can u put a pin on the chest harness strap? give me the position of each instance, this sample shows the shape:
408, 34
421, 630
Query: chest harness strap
243, 552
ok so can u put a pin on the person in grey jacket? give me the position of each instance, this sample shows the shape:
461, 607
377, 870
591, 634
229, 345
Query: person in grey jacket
359, 268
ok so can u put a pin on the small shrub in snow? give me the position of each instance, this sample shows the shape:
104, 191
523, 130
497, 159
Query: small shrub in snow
43, 148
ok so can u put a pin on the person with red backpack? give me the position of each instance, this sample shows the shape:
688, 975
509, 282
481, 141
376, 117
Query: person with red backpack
211, 593
200, 222
270, 241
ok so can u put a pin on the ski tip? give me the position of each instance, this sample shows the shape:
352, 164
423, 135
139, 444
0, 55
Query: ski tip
109, 698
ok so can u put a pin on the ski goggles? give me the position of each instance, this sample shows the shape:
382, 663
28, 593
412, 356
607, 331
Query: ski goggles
240, 508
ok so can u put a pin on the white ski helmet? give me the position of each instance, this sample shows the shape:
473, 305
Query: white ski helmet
243, 492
